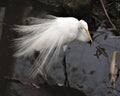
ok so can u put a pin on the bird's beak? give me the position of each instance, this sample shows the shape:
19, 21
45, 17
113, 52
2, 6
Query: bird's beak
89, 35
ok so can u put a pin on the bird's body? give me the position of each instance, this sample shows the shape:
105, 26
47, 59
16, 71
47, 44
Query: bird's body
59, 31
47, 36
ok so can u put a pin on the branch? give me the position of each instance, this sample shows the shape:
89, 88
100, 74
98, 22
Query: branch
107, 14
32, 85
114, 70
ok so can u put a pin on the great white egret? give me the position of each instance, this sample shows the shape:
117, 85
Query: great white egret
49, 35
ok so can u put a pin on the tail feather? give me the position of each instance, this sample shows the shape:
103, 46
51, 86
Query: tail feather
42, 37
34, 20
42, 62
32, 35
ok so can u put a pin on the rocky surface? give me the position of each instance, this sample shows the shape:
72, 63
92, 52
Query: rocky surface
85, 70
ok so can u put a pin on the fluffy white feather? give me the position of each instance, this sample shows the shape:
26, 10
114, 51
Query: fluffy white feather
50, 35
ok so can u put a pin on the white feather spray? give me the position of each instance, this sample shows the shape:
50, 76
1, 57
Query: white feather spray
46, 35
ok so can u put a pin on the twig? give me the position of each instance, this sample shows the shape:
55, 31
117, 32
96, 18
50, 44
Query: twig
32, 85
107, 15
96, 19
114, 70
101, 51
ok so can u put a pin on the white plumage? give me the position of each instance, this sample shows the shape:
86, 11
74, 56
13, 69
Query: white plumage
49, 35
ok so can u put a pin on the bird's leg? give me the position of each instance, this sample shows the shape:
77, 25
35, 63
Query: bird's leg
66, 82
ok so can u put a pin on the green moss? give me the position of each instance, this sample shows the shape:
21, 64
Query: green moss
83, 79
74, 69
69, 65
74, 81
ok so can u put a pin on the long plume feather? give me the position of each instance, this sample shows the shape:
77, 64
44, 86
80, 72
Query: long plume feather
40, 37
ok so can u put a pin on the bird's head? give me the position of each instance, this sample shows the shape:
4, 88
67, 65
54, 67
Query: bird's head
84, 34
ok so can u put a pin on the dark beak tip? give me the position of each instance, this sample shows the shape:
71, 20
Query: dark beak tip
89, 42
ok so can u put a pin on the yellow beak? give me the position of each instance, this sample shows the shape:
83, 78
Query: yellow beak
89, 35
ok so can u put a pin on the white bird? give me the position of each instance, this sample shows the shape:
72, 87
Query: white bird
49, 35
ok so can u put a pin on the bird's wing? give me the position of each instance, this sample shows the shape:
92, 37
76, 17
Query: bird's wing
50, 49
41, 62
36, 20
45, 38
31, 34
